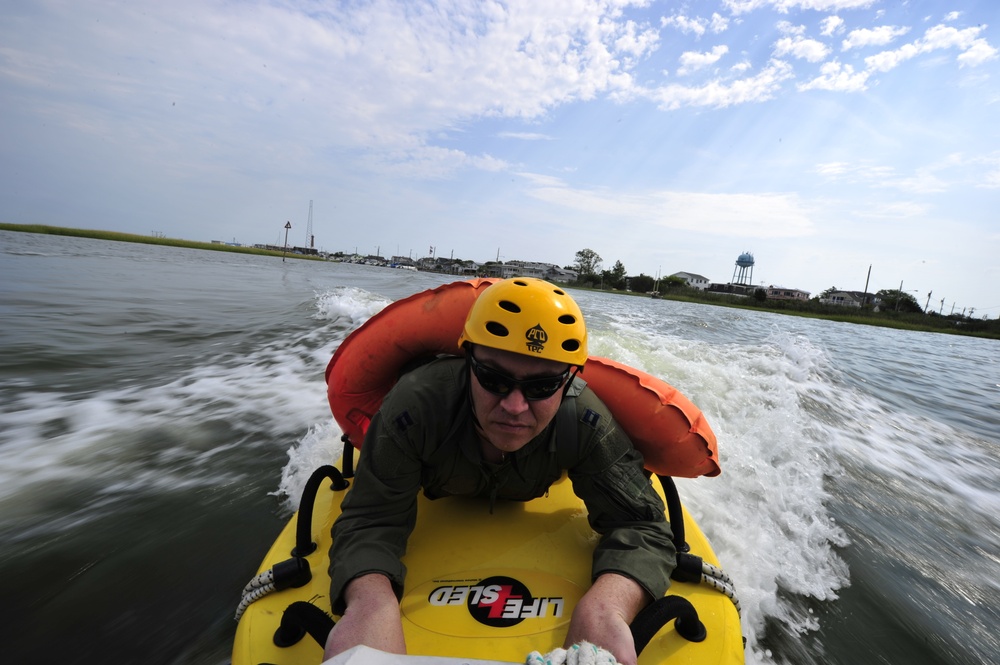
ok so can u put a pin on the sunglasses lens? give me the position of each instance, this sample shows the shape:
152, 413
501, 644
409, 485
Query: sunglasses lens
492, 381
500, 384
541, 388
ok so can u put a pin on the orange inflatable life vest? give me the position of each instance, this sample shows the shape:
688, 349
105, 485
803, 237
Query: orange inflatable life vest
670, 432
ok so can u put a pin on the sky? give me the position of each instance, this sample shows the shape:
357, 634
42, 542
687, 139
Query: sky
826, 137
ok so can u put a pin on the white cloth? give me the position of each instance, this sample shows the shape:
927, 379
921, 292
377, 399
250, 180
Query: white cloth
362, 655
581, 653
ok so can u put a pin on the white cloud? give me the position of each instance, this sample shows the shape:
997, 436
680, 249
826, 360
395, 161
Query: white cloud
427, 162
525, 136
784, 6
951, 172
888, 60
975, 50
988, 171
718, 23
692, 61
760, 215
694, 26
859, 172
977, 53
952, 16
637, 41
721, 94
879, 36
831, 25
943, 36
921, 182
803, 49
837, 77
895, 210
788, 28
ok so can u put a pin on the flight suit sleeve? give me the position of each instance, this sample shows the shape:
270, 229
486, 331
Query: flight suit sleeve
378, 512
623, 508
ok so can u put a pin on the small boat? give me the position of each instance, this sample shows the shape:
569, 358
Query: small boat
484, 586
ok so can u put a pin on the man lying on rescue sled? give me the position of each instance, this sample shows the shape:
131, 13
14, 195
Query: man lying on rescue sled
485, 425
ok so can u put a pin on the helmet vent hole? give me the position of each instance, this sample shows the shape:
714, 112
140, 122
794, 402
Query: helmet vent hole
571, 345
497, 329
568, 319
509, 306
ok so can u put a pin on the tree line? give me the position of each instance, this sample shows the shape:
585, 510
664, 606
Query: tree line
887, 307
588, 269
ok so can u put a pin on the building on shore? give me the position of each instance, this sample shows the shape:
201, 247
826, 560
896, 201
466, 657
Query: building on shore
782, 293
693, 280
850, 298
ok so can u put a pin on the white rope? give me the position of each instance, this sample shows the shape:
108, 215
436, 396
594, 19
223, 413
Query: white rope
255, 593
716, 578
716, 572
267, 577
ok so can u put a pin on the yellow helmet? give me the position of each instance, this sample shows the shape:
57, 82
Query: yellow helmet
528, 316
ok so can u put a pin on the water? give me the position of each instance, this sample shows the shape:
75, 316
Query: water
160, 409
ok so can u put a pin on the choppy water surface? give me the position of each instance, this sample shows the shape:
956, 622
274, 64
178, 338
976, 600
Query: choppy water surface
160, 409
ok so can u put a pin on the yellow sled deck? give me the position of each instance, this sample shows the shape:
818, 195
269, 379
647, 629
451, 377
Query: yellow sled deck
481, 585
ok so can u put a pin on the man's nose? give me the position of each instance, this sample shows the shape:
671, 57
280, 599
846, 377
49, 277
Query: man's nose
515, 402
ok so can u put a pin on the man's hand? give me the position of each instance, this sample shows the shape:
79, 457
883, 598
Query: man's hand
603, 615
372, 618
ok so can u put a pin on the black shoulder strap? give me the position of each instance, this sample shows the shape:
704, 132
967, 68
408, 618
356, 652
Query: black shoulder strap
565, 443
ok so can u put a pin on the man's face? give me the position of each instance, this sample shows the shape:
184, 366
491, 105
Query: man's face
510, 422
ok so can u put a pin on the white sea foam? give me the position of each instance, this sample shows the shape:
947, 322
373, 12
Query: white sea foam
156, 435
348, 306
345, 306
765, 514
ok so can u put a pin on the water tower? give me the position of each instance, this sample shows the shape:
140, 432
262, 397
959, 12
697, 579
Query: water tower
743, 274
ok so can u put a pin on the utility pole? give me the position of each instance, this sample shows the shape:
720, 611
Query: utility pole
928, 303
309, 228
867, 279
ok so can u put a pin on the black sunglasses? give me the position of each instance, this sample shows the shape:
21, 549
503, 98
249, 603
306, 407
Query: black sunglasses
498, 383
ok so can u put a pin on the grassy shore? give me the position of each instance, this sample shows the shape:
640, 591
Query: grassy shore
148, 240
950, 325
903, 321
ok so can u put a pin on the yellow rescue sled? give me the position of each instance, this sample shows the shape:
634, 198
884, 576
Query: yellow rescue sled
484, 586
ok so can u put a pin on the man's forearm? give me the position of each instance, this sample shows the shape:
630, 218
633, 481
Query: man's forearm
603, 615
372, 618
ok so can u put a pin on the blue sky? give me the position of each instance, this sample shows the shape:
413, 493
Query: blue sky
823, 136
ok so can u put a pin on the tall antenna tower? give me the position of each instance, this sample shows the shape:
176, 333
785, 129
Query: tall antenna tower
309, 228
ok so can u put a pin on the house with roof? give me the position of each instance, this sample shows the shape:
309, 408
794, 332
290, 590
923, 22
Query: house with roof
546, 271
848, 298
693, 280
782, 293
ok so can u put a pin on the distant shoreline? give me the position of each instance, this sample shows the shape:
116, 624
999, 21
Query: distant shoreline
148, 240
989, 329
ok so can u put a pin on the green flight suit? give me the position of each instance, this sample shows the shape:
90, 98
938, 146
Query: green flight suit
423, 436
